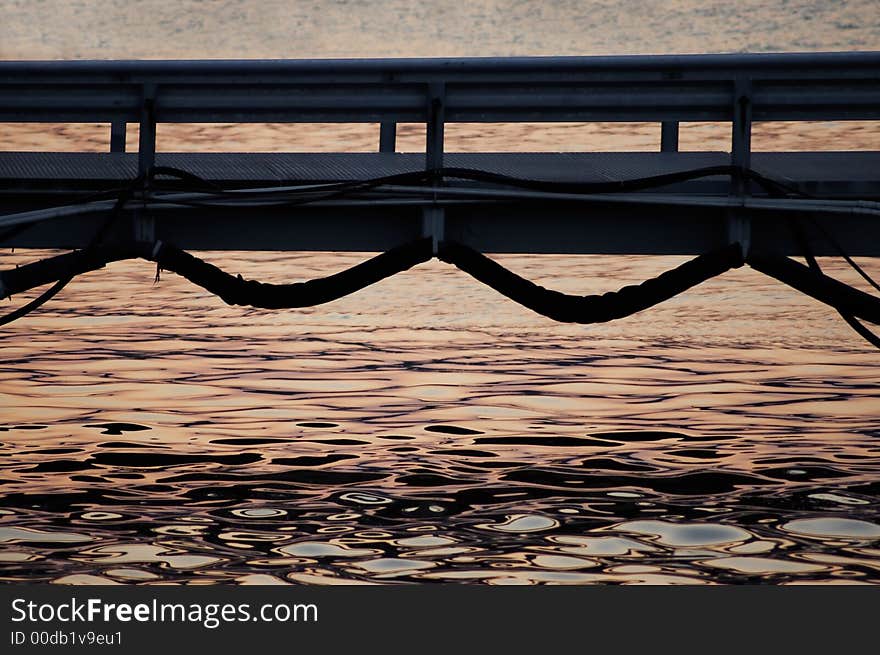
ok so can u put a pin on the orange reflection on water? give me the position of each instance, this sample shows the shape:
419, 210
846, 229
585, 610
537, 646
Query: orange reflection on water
426, 428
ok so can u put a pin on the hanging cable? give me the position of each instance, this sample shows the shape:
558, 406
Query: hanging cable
591, 309
235, 290
64, 280
851, 303
813, 263
326, 191
818, 285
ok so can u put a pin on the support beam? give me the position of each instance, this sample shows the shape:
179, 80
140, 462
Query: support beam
498, 227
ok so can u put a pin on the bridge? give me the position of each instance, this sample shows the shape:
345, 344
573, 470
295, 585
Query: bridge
664, 202
690, 215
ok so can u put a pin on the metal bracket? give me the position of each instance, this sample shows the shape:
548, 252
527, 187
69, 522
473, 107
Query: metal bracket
434, 226
739, 230
144, 227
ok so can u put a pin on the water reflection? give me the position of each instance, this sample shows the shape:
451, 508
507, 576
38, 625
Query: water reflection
426, 429
686, 534
13, 535
834, 527
235, 498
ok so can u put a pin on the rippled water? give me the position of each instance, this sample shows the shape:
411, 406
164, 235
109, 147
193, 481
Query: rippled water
426, 429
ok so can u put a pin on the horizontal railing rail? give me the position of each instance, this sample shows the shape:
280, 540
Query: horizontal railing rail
829, 86
739, 88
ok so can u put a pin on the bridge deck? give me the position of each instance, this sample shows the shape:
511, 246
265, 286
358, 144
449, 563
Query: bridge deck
31, 180
843, 174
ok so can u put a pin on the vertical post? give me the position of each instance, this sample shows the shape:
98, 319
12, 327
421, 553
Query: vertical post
147, 140
669, 136
436, 119
117, 136
434, 225
387, 137
739, 228
741, 138
433, 216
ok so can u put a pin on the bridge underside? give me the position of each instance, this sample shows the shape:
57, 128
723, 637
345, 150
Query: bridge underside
30, 181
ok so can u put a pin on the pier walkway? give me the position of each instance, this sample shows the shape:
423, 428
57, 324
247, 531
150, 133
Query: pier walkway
729, 208
688, 216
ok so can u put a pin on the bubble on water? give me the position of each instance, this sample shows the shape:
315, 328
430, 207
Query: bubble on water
10, 535
247, 537
372, 534
687, 534
335, 529
426, 541
259, 512
15, 556
629, 569
324, 577
101, 516
753, 547
146, 554
394, 565
323, 549
343, 517
764, 565
135, 575
522, 523
181, 530
563, 562
835, 498
362, 498
259, 579
833, 527
84, 579
600, 546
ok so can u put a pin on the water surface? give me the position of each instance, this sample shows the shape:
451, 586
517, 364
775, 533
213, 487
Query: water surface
426, 429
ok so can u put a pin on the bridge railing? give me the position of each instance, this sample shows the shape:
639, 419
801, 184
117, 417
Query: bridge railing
736, 88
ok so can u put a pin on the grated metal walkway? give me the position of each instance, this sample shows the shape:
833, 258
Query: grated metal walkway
845, 174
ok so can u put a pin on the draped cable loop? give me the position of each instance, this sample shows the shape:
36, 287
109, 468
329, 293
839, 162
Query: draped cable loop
610, 306
851, 303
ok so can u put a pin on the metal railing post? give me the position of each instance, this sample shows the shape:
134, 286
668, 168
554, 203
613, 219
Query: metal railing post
147, 136
669, 136
387, 137
436, 120
433, 216
739, 227
117, 136
741, 137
